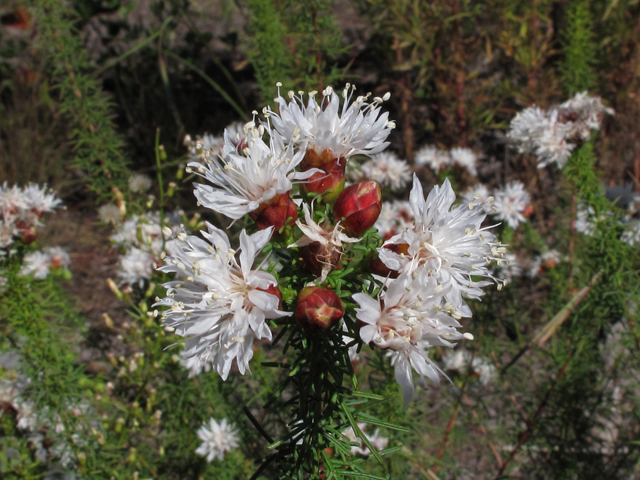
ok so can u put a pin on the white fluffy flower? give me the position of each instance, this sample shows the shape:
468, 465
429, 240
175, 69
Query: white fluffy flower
135, 267
551, 135
409, 317
241, 182
357, 128
109, 213
450, 243
433, 157
40, 199
217, 439
464, 158
36, 264
388, 170
510, 203
219, 303
139, 182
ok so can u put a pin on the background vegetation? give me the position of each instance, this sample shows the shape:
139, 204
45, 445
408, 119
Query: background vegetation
86, 87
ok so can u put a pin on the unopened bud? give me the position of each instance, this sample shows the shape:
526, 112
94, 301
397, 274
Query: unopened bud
29, 236
114, 288
330, 181
360, 206
318, 309
275, 212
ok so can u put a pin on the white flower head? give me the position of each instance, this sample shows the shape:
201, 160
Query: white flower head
219, 303
40, 199
464, 158
241, 182
449, 242
510, 203
139, 182
551, 135
411, 315
109, 213
135, 267
358, 127
433, 157
217, 439
37, 264
388, 170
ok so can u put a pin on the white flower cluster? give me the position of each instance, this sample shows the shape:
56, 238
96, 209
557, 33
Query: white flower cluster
439, 261
221, 304
217, 439
139, 183
385, 168
37, 424
438, 159
141, 239
376, 439
220, 301
552, 135
41, 263
509, 204
21, 210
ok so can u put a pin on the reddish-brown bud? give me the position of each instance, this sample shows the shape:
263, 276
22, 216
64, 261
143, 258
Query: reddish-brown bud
360, 206
379, 268
29, 235
318, 309
275, 212
318, 256
332, 178
275, 291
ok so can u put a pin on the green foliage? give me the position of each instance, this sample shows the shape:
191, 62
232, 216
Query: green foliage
295, 43
98, 149
579, 48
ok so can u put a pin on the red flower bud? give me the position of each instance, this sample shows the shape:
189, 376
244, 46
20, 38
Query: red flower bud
332, 178
274, 213
528, 211
379, 268
360, 206
318, 309
29, 235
